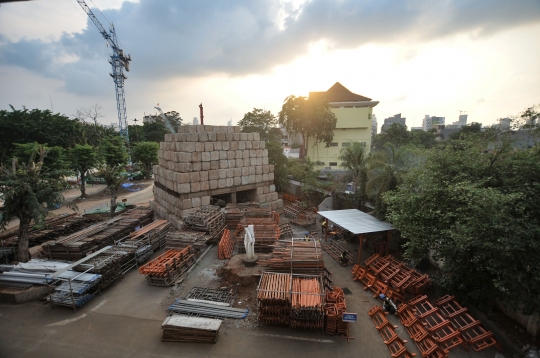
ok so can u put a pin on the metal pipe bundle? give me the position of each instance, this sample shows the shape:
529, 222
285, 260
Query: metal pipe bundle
207, 309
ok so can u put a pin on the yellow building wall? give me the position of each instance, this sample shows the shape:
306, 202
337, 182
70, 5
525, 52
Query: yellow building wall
353, 125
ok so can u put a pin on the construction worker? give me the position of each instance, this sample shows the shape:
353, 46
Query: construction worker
343, 257
324, 225
306, 236
388, 305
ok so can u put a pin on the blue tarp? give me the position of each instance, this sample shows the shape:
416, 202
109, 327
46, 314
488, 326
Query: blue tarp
128, 187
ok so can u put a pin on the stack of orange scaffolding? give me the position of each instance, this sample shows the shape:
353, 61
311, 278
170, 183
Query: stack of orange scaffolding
395, 344
333, 309
225, 246
307, 303
274, 298
167, 267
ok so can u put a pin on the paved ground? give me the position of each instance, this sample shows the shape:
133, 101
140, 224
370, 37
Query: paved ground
125, 322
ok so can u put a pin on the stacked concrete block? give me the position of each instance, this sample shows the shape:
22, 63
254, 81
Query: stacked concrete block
202, 161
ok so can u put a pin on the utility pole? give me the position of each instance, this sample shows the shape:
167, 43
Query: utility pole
136, 133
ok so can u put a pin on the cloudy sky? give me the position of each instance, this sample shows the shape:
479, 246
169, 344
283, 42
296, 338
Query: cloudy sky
415, 57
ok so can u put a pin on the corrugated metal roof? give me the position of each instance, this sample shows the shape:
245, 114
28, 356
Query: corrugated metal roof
356, 221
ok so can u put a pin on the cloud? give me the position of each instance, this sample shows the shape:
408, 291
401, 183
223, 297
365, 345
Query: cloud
168, 39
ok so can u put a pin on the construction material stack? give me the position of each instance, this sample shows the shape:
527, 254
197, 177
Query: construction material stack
167, 268
208, 219
334, 308
295, 256
204, 161
226, 245
179, 240
187, 329
307, 309
274, 298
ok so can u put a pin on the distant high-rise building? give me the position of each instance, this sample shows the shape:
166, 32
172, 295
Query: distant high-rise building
229, 123
505, 124
430, 122
195, 121
463, 119
391, 120
374, 125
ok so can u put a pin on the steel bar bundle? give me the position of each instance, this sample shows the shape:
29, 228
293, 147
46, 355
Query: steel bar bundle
307, 309
76, 290
295, 257
395, 344
295, 210
226, 245
333, 312
165, 269
207, 309
286, 231
153, 234
274, 298
208, 219
471, 330
225, 295
335, 250
187, 329
179, 240
108, 264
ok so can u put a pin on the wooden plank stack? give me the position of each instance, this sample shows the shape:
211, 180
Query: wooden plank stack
295, 210
335, 250
153, 234
293, 256
188, 329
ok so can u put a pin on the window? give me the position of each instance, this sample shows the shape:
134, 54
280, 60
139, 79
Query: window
319, 163
333, 164
346, 144
333, 144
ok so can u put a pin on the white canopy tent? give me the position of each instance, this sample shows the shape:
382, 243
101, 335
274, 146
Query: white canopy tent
358, 223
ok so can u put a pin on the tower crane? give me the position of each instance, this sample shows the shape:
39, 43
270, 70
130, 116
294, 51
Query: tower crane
119, 61
166, 121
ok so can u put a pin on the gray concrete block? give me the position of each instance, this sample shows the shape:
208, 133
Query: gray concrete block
185, 204
183, 188
236, 136
238, 154
230, 172
265, 177
229, 137
242, 145
204, 175
258, 169
250, 136
259, 153
205, 166
196, 167
270, 168
249, 145
234, 145
272, 188
212, 137
205, 200
214, 164
199, 128
231, 154
203, 137
194, 177
266, 190
193, 137
218, 145
196, 157
265, 160
231, 163
213, 174
205, 156
222, 183
196, 187
226, 145
222, 173
256, 136
214, 155
246, 154
208, 128
251, 170
230, 182
199, 147
223, 164
183, 178
239, 163
245, 180
262, 145
208, 146
237, 181
205, 186
271, 176
213, 184
237, 172
220, 137
255, 144
258, 178
245, 171
223, 155
168, 137
243, 136
259, 161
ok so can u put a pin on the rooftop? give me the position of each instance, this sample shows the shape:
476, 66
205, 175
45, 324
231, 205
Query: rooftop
338, 93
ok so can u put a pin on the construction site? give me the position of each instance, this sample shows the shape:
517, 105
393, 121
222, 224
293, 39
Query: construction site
258, 276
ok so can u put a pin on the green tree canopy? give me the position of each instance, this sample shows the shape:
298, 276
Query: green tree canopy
29, 126
476, 211
310, 117
354, 158
54, 160
262, 122
147, 154
280, 162
83, 158
473, 127
24, 189
395, 134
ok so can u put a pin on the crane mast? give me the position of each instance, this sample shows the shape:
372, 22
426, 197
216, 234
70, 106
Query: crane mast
118, 61
166, 121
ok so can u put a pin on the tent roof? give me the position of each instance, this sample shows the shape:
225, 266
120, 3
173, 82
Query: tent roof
356, 221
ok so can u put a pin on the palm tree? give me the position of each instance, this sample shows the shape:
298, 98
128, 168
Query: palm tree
385, 170
355, 158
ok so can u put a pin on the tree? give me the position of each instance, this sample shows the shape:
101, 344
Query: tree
279, 161
262, 122
54, 160
396, 134
385, 170
310, 117
423, 139
147, 154
114, 154
354, 158
24, 188
475, 210
83, 158
470, 128
29, 126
